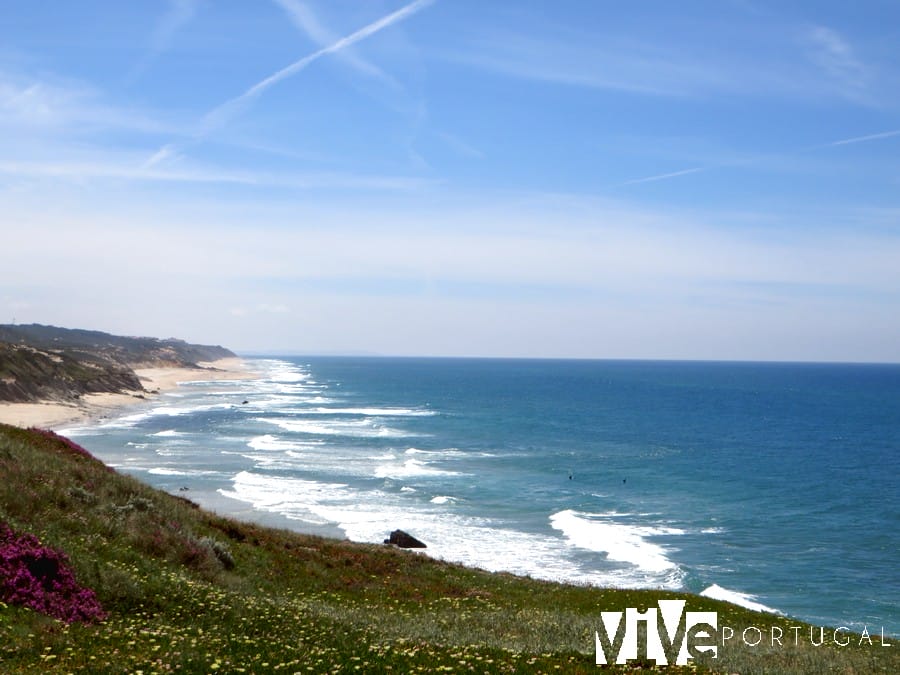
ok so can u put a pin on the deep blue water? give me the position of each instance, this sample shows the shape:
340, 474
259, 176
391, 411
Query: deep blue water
771, 483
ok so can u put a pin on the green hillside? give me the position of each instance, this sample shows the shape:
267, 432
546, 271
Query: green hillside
184, 590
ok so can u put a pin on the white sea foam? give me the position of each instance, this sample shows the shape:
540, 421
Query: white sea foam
168, 433
302, 399
371, 412
620, 542
716, 592
410, 468
168, 452
366, 428
173, 411
294, 498
274, 462
166, 471
277, 402
71, 432
285, 372
449, 453
369, 515
176, 443
126, 420
302, 455
443, 499
270, 442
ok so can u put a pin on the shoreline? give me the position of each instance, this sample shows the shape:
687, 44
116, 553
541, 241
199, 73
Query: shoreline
339, 596
156, 380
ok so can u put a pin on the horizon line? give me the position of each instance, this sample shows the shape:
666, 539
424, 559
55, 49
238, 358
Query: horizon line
645, 359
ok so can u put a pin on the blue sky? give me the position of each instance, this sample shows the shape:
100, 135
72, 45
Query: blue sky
710, 180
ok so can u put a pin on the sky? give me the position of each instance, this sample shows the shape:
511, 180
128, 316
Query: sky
586, 179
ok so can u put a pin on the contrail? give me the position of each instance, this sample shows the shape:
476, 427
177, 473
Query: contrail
343, 43
220, 115
861, 139
661, 176
305, 20
832, 144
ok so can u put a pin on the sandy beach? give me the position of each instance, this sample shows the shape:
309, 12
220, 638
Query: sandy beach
55, 414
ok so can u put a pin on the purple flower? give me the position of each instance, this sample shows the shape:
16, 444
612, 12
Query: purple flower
39, 577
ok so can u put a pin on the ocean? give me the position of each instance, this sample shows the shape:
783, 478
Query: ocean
776, 486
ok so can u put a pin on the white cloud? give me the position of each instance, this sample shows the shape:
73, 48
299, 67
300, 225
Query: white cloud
175, 18
573, 60
165, 153
845, 73
757, 58
615, 280
29, 104
831, 51
273, 308
460, 146
104, 166
179, 13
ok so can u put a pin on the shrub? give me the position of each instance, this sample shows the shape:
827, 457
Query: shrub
79, 493
200, 552
134, 504
220, 550
40, 578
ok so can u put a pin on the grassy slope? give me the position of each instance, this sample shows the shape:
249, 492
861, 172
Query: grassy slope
296, 603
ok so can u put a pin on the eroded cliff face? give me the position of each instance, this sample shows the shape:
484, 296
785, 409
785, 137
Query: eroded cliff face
31, 374
49, 363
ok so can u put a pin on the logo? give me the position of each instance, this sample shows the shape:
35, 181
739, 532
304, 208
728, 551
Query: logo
666, 634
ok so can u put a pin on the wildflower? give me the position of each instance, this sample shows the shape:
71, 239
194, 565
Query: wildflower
39, 577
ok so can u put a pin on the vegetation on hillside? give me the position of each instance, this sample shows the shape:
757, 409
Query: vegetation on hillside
59, 364
184, 590
31, 374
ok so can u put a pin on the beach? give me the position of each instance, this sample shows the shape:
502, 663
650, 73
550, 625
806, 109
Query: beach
156, 380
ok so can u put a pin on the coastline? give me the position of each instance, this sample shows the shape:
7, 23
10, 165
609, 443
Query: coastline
378, 606
156, 380
332, 424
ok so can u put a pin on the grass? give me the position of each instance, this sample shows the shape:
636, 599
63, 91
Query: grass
188, 591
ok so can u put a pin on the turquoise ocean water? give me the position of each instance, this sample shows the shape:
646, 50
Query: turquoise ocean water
767, 484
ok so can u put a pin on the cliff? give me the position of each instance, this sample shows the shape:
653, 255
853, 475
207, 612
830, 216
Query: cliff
48, 363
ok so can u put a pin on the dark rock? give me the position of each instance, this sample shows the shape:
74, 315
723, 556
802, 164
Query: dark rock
404, 540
